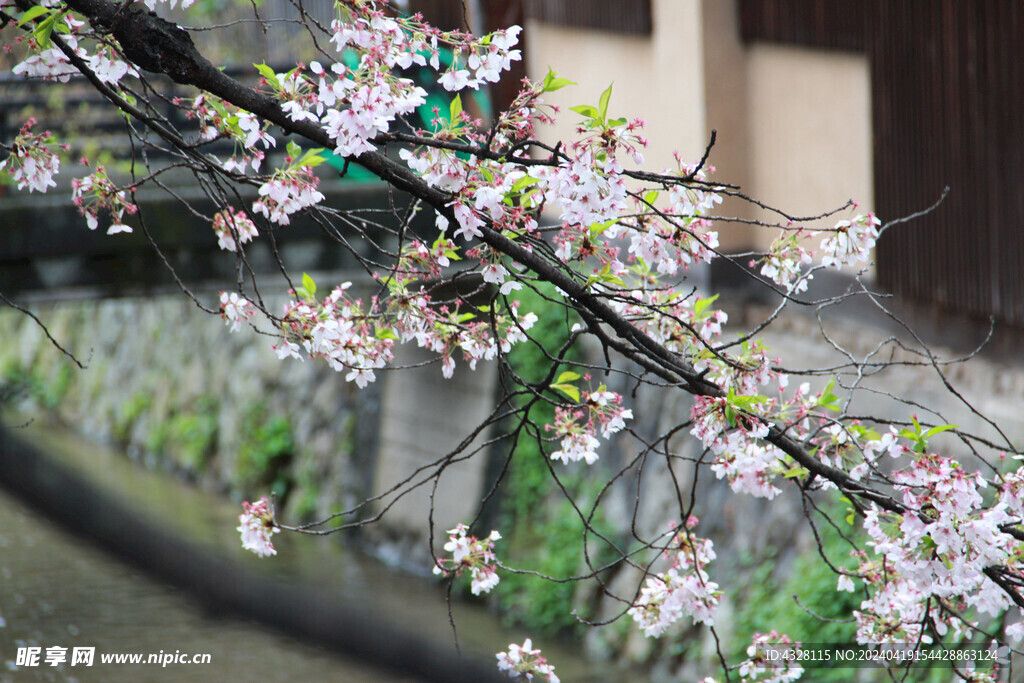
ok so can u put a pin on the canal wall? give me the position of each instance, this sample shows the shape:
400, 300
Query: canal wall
170, 386
175, 390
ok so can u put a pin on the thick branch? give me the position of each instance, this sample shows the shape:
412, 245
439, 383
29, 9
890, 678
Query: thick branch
154, 44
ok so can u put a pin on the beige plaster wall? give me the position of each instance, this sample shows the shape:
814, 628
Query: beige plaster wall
726, 92
794, 124
659, 78
809, 129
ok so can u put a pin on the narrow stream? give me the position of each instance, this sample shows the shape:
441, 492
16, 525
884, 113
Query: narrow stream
58, 590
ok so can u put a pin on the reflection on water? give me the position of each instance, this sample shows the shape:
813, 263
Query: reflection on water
59, 591
56, 590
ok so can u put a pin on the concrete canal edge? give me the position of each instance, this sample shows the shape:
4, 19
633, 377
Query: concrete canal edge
217, 584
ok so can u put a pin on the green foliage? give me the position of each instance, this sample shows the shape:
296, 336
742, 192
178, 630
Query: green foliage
308, 491
56, 387
535, 518
186, 437
33, 382
130, 411
767, 602
194, 434
265, 451
551, 544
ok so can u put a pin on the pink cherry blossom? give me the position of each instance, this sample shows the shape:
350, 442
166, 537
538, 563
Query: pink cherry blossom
473, 555
228, 224
32, 163
235, 309
256, 524
525, 662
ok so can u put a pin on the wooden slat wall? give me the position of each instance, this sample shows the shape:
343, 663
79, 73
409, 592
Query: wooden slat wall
947, 80
948, 85
447, 15
619, 16
838, 24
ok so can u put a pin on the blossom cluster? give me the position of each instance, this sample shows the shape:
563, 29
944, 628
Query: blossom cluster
526, 662
355, 105
678, 235
786, 260
48, 62
287, 192
761, 668
235, 310
933, 560
473, 555
851, 241
336, 330
256, 524
685, 589
577, 426
97, 192
233, 228
32, 163
219, 119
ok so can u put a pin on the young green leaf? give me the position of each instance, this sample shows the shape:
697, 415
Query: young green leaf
603, 103
586, 110
33, 12
569, 390
938, 430
701, 305
268, 74
455, 109
553, 83
308, 285
796, 471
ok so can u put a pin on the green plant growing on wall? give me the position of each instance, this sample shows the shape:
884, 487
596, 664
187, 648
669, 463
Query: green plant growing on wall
193, 434
528, 509
265, 452
128, 413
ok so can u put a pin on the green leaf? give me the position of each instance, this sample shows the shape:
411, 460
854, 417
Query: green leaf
938, 430
569, 390
615, 280
525, 181
309, 285
385, 333
33, 12
567, 376
796, 471
268, 74
651, 197
586, 110
455, 109
311, 158
553, 83
701, 305
43, 30
828, 398
603, 103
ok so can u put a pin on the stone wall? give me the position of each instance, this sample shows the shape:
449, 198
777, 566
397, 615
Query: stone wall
172, 387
